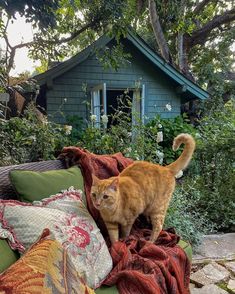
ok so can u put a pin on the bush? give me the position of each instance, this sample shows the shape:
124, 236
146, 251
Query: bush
30, 139
137, 141
214, 166
183, 215
170, 128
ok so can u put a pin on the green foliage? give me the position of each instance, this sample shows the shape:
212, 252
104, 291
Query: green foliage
39, 11
30, 139
82, 22
114, 57
214, 166
77, 125
170, 128
182, 214
135, 140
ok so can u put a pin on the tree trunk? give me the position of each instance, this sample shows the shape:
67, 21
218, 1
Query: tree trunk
157, 29
180, 41
180, 51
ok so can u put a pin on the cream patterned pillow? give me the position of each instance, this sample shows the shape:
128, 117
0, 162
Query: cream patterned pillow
69, 222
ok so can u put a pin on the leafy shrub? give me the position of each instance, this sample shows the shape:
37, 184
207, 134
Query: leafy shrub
77, 128
30, 139
214, 165
135, 140
183, 214
170, 128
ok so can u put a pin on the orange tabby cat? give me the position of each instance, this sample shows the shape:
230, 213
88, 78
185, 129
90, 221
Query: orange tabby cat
142, 187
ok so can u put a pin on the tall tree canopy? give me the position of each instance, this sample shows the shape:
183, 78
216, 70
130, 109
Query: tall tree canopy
193, 35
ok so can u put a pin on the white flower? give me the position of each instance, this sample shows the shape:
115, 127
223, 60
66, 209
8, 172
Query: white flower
160, 156
179, 175
168, 107
128, 149
159, 137
68, 129
104, 119
33, 138
93, 118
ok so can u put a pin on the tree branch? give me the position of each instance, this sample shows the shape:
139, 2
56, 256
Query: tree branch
74, 34
13, 49
201, 6
227, 75
200, 36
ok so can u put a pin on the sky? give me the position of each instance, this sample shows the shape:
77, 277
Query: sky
19, 31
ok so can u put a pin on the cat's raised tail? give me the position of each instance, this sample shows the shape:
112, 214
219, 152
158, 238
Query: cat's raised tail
184, 159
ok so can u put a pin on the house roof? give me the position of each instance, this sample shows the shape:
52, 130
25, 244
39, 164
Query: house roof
186, 85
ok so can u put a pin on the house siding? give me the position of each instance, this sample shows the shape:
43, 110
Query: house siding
159, 89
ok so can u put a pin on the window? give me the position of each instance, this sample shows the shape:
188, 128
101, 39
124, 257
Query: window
104, 101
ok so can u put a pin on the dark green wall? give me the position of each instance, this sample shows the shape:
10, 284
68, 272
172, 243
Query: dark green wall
159, 89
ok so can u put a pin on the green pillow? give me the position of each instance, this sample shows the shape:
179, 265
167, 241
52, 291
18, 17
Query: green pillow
31, 185
7, 255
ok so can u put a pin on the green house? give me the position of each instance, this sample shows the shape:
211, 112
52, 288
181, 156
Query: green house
154, 86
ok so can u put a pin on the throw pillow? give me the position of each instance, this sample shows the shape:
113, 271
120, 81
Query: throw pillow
69, 222
8, 256
45, 268
31, 185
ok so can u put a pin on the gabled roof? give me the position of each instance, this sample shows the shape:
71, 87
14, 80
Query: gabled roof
184, 83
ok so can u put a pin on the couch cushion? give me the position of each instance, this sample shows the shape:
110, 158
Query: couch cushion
45, 268
7, 255
31, 185
70, 223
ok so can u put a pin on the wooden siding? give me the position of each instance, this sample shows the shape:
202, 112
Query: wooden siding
159, 89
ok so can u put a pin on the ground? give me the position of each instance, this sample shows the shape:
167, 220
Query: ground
213, 266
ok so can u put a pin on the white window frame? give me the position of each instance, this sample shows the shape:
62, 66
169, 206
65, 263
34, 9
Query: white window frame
96, 99
95, 102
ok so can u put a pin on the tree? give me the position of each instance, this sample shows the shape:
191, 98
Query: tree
40, 12
196, 37
74, 25
193, 35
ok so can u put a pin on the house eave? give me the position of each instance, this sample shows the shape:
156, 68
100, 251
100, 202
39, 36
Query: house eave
49, 75
168, 69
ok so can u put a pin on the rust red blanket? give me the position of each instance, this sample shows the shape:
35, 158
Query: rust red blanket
140, 267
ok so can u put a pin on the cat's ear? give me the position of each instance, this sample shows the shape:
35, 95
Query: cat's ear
95, 180
114, 184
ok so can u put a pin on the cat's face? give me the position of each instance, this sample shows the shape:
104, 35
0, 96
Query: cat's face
104, 193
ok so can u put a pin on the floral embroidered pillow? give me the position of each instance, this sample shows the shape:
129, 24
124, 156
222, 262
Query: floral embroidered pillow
44, 268
69, 222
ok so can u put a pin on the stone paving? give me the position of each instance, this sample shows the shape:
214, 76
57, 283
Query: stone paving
213, 266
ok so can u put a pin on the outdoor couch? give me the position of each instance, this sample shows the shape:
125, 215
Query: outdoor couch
9, 258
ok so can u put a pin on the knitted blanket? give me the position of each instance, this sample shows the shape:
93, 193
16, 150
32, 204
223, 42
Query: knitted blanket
140, 266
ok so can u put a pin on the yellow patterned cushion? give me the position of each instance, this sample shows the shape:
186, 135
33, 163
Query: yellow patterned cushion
45, 268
